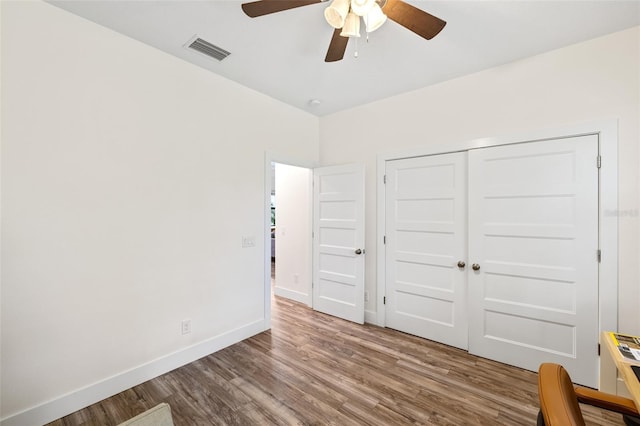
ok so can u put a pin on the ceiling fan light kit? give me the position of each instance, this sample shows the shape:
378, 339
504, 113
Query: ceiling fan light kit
369, 10
362, 7
344, 16
351, 26
336, 13
375, 18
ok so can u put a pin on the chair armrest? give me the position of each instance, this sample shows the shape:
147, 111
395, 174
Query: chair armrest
607, 401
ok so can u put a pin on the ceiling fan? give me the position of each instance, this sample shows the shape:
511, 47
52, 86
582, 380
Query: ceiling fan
345, 15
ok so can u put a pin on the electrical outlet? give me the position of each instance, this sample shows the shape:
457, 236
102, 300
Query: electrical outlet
186, 326
366, 296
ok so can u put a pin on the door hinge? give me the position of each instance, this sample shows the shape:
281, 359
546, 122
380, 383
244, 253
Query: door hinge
599, 256
384, 239
384, 300
598, 349
599, 161
384, 179
313, 234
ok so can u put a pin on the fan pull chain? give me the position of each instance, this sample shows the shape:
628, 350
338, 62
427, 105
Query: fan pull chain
366, 23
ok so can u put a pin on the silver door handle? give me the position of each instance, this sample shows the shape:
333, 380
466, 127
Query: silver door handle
475, 267
359, 251
461, 264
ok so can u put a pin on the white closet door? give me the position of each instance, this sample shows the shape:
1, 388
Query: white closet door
425, 240
533, 233
338, 243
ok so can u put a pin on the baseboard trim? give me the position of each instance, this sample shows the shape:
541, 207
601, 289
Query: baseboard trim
371, 317
293, 295
67, 404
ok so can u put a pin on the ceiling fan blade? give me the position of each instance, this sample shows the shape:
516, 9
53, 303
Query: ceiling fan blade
414, 19
265, 7
337, 47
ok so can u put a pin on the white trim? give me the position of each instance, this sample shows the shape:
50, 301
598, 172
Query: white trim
607, 130
608, 275
370, 317
381, 229
66, 404
297, 296
266, 294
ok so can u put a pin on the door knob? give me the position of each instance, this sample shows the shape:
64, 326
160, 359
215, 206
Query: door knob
461, 264
358, 251
475, 267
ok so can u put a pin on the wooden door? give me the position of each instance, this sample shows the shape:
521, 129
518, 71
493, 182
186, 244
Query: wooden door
425, 241
533, 236
338, 243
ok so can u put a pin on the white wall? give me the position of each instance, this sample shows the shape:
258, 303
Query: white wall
589, 81
129, 178
293, 232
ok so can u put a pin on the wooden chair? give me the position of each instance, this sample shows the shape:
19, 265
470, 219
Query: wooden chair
559, 399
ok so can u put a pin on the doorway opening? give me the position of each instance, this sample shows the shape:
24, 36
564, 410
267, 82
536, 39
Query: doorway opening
290, 218
328, 202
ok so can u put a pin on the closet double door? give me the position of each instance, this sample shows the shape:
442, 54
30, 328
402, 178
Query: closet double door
495, 250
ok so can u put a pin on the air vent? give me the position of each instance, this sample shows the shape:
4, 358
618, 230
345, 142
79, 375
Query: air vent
208, 49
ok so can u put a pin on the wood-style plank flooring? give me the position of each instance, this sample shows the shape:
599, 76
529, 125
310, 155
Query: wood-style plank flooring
314, 369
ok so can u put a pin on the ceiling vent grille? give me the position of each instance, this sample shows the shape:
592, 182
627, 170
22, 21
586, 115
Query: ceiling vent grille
208, 49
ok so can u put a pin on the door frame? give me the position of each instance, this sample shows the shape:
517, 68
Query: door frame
271, 157
607, 131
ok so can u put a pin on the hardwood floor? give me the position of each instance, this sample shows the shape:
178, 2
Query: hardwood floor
314, 369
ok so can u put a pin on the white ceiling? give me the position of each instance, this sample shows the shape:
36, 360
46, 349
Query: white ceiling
282, 55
